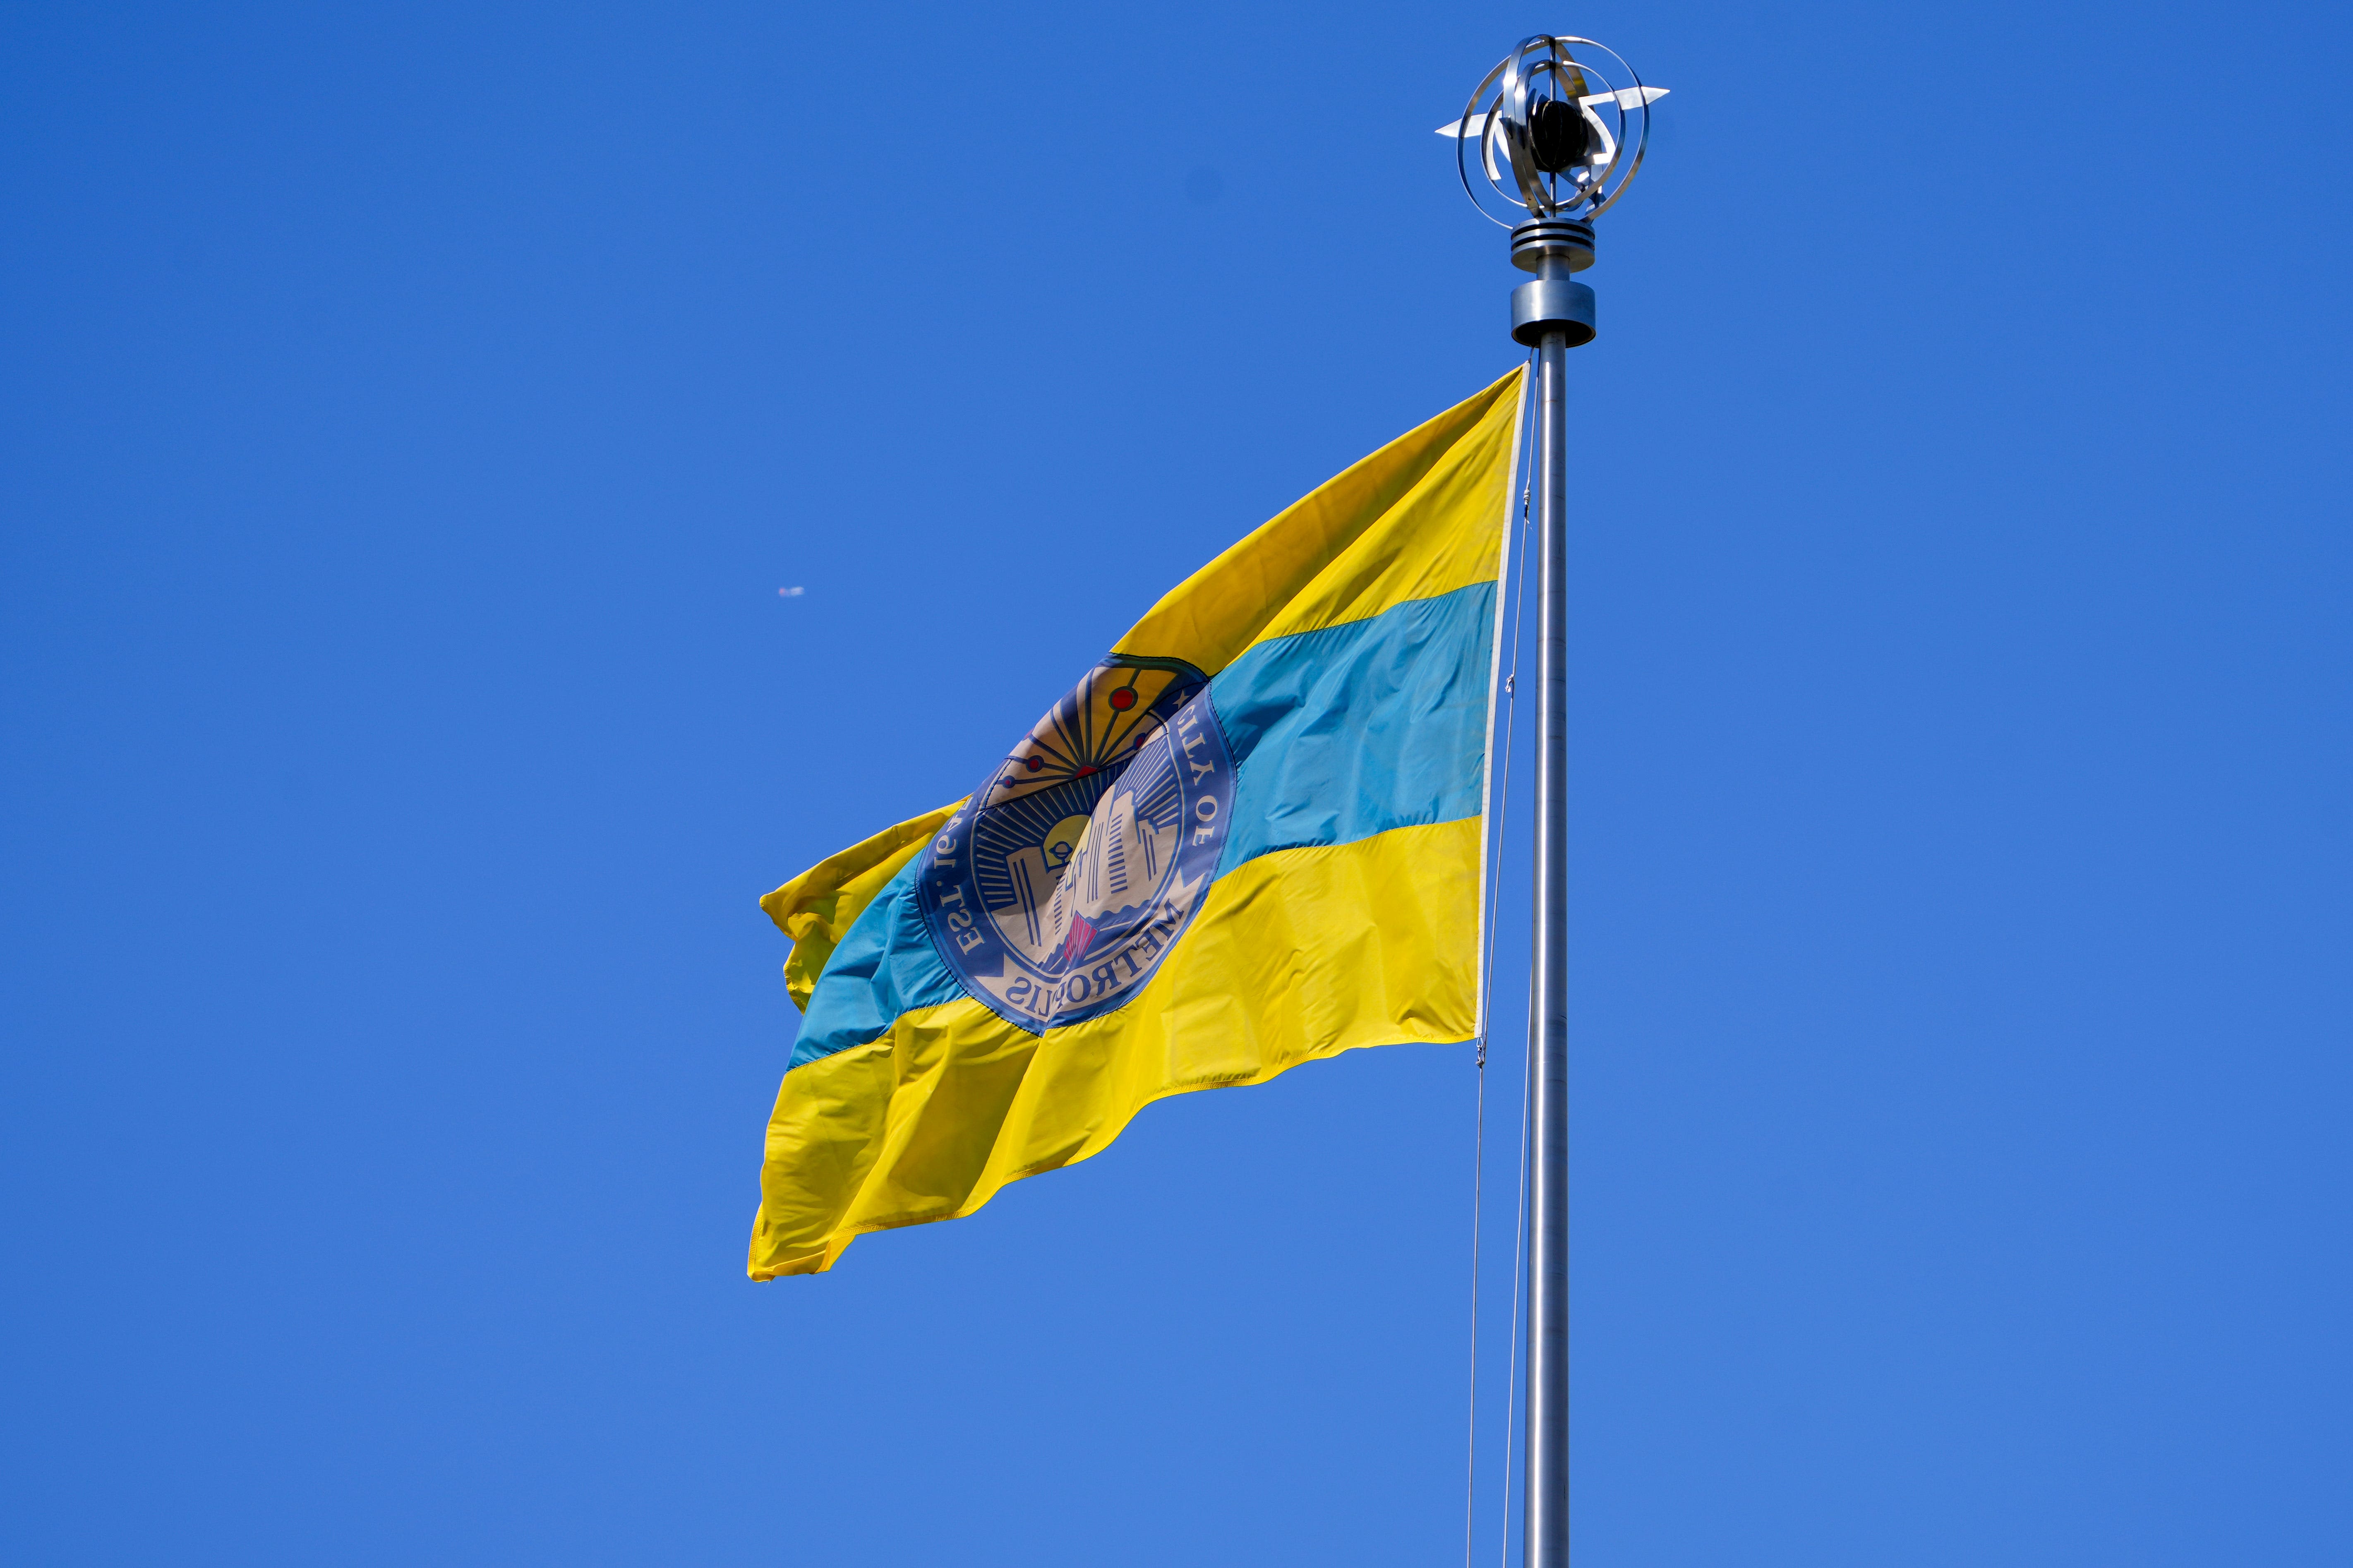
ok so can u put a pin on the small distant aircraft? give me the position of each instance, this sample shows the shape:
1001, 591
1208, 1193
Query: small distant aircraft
1599, 145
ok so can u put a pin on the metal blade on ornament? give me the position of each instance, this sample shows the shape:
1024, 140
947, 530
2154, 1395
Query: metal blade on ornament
1455, 129
1631, 97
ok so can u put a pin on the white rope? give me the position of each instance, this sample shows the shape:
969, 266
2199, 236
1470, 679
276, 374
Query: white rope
1479, 1138
1512, 1377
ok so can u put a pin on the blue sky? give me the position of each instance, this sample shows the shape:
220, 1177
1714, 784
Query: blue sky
411, 414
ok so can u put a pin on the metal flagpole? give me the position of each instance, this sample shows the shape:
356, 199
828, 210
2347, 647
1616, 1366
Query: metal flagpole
1572, 139
1546, 1510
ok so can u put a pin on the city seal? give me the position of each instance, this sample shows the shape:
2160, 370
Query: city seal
1057, 890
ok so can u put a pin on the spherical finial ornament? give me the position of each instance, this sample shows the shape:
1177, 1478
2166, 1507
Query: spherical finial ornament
1570, 134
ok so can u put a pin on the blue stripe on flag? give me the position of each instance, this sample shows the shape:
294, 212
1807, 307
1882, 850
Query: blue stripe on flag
1337, 735
1342, 733
886, 965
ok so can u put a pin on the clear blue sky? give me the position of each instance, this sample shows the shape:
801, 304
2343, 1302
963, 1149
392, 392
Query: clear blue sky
410, 416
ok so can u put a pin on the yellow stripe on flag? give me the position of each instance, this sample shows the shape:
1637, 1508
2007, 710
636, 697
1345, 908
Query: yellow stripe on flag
1296, 955
1418, 518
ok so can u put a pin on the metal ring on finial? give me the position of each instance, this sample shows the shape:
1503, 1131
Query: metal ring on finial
1572, 139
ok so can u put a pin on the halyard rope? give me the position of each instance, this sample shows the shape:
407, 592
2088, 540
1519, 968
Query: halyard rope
1479, 1138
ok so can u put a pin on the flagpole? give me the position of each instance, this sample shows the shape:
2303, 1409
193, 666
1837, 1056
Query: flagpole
1556, 314
1559, 133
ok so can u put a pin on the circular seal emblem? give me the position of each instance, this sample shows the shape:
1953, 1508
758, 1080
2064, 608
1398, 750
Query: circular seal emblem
1055, 893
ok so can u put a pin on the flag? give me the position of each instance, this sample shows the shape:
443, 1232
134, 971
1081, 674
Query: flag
1253, 834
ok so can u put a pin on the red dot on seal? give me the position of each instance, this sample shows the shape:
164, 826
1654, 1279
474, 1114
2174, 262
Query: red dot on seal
1084, 771
1124, 698
1034, 763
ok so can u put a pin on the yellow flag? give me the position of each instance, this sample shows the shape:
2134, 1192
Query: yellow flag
1252, 836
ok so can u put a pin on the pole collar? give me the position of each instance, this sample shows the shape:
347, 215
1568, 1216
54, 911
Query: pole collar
1552, 305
